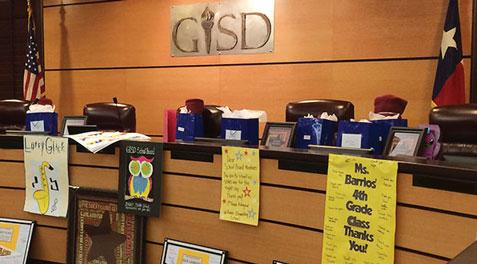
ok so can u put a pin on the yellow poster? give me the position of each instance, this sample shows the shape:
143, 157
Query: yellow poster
360, 211
240, 195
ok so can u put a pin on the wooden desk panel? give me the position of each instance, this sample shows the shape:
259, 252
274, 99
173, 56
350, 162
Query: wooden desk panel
405, 257
450, 201
259, 244
91, 177
12, 202
419, 229
11, 154
299, 207
193, 167
98, 159
12, 174
291, 213
48, 244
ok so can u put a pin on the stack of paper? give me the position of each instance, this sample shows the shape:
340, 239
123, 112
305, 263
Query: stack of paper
97, 140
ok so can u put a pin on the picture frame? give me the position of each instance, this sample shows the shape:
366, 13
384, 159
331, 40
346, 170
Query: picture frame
278, 134
15, 239
72, 121
94, 219
403, 141
175, 252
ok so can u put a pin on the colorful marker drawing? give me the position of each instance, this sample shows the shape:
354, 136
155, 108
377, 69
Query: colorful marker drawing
140, 177
140, 181
46, 175
42, 196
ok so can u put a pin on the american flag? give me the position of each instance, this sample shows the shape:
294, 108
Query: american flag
33, 81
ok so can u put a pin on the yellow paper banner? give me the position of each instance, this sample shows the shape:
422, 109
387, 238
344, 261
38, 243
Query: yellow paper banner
240, 197
360, 211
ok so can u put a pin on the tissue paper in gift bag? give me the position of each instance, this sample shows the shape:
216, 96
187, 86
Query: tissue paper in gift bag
189, 126
42, 122
314, 131
240, 129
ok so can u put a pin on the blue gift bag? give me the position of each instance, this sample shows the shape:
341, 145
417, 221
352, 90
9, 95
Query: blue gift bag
362, 135
189, 126
240, 129
314, 131
42, 122
383, 129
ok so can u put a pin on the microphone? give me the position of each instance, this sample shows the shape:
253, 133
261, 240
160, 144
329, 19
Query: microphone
115, 101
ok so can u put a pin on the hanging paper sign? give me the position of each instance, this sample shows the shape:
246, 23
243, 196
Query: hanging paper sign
360, 211
46, 175
240, 195
140, 177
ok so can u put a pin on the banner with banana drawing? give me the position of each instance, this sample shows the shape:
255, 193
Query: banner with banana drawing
46, 175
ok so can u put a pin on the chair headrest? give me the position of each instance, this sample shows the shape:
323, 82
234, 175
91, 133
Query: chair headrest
13, 114
458, 123
111, 116
344, 110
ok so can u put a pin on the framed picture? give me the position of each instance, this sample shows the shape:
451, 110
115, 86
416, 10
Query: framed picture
278, 134
72, 121
403, 141
99, 233
177, 252
15, 238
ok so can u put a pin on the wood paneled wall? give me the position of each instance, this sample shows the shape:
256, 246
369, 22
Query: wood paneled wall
341, 49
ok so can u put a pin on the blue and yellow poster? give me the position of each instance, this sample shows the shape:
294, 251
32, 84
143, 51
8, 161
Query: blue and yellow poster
360, 211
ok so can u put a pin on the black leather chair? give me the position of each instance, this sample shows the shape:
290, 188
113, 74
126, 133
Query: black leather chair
458, 124
111, 116
13, 114
344, 110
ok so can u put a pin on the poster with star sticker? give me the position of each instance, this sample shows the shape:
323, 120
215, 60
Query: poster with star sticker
240, 196
99, 233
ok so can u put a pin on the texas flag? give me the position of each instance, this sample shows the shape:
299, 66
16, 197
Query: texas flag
449, 85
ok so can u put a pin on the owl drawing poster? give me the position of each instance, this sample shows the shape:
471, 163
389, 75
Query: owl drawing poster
140, 177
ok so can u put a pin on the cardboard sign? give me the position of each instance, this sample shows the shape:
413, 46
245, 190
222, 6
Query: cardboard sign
140, 178
360, 211
46, 175
240, 197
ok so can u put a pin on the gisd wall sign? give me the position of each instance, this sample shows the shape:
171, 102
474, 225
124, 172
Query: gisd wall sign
231, 27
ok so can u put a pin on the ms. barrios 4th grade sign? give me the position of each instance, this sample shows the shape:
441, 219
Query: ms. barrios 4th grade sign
360, 211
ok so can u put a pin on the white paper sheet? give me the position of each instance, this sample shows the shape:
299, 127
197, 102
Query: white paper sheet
46, 175
351, 140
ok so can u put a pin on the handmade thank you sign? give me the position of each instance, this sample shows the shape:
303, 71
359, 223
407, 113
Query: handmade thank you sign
360, 211
240, 185
46, 175
140, 178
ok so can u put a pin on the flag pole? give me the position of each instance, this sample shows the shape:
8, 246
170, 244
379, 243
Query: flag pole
42, 38
473, 67
29, 12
